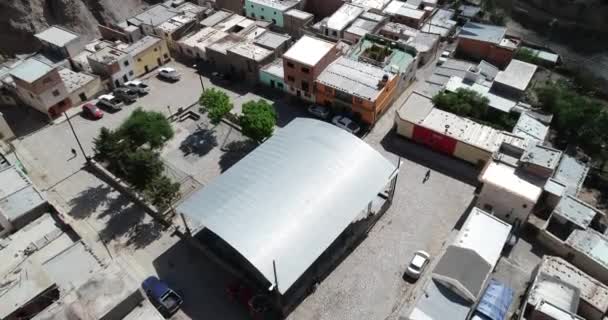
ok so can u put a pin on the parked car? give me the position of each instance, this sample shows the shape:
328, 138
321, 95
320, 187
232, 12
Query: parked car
91, 111
441, 61
138, 86
169, 74
163, 298
446, 54
318, 111
126, 94
346, 123
418, 263
110, 102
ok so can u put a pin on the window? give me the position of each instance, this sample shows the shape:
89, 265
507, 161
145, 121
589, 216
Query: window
131, 72
275, 12
334, 33
253, 15
280, 85
126, 63
139, 59
166, 56
262, 17
155, 49
252, 6
262, 9
274, 21
290, 79
55, 93
305, 86
290, 65
305, 70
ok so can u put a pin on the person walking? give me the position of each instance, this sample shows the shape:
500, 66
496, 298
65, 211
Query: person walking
74, 153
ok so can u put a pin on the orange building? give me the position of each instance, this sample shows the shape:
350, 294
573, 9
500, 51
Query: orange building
364, 89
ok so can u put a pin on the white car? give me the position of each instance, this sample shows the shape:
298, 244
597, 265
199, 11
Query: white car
138, 86
419, 262
110, 101
346, 124
446, 54
169, 74
318, 111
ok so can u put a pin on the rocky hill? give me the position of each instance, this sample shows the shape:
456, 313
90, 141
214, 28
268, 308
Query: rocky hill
21, 19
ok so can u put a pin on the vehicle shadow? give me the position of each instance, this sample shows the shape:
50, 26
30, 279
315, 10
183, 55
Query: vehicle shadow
200, 283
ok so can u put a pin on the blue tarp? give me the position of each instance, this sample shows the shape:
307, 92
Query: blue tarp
495, 301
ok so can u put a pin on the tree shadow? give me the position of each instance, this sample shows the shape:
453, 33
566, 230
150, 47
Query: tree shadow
89, 200
144, 233
234, 151
199, 143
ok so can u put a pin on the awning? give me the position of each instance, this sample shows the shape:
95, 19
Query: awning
495, 301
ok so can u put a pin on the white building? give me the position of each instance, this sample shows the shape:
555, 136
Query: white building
60, 41
508, 192
458, 279
113, 64
337, 23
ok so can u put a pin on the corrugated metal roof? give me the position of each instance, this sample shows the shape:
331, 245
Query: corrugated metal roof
57, 36
482, 32
576, 211
290, 198
354, 77
344, 16
31, 70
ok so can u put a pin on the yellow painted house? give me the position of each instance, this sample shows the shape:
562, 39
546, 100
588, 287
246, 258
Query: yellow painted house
148, 54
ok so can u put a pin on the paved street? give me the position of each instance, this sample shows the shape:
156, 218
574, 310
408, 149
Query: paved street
366, 285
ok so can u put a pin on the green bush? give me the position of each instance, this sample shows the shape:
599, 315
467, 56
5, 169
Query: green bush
216, 103
258, 119
470, 104
146, 127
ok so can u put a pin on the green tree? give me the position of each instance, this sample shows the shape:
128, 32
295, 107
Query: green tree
216, 103
463, 102
258, 119
161, 192
527, 55
146, 127
141, 167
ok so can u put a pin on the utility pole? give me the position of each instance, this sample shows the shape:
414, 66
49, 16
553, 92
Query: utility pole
199, 77
76, 137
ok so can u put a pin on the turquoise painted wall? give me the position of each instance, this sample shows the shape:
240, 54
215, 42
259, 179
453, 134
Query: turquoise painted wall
261, 12
265, 78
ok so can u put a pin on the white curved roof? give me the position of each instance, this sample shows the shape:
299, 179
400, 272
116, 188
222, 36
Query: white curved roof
291, 197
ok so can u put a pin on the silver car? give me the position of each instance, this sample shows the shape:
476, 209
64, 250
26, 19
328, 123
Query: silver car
109, 101
346, 123
418, 263
169, 74
138, 86
318, 111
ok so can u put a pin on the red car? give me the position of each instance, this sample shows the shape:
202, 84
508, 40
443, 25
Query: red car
92, 111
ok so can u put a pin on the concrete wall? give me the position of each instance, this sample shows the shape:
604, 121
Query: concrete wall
480, 50
47, 95
235, 6
298, 76
472, 154
404, 128
151, 58
506, 206
293, 26
272, 81
89, 90
6, 133
260, 12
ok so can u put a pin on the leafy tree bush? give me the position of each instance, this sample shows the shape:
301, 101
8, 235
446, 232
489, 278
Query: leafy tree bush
130, 154
146, 127
258, 119
161, 192
527, 55
578, 119
216, 103
470, 104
